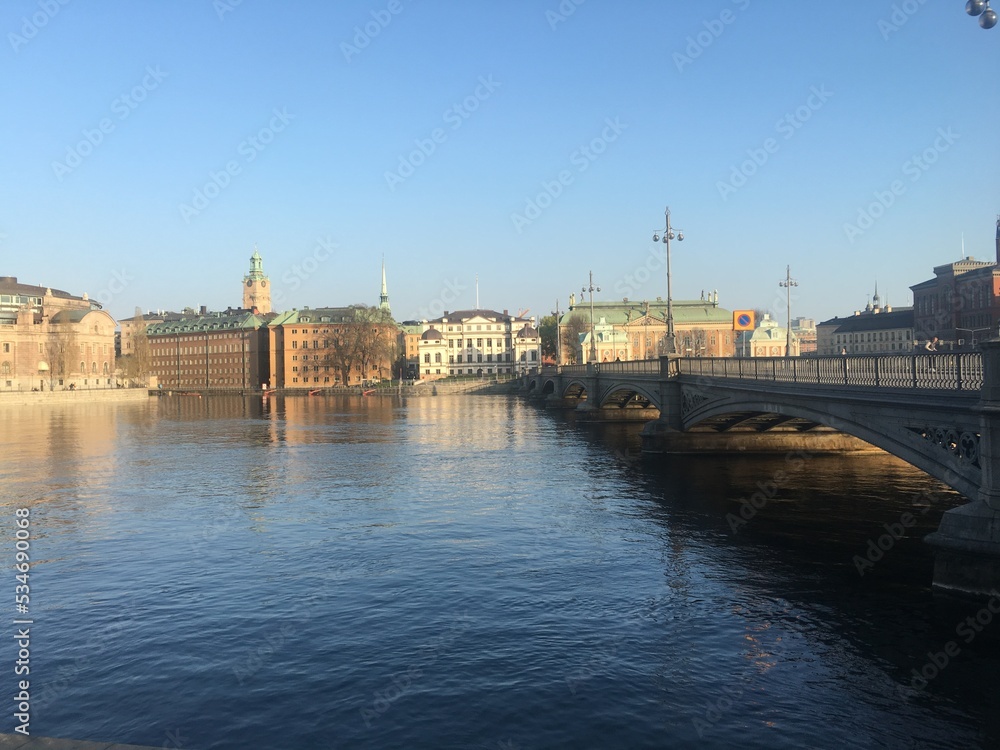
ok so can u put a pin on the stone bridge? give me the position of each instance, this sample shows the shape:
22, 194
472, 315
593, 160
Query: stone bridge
939, 412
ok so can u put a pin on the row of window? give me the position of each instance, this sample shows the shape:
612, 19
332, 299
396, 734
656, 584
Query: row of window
850, 338
468, 371
165, 351
480, 328
452, 359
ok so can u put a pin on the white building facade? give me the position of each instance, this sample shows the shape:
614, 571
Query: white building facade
478, 342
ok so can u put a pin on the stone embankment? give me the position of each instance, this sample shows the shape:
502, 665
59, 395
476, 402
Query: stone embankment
109, 396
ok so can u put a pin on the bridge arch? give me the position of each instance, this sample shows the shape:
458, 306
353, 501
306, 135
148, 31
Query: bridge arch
622, 395
945, 445
575, 389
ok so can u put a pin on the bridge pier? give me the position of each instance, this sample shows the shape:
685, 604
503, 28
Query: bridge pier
967, 542
967, 550
587, 413
552, 401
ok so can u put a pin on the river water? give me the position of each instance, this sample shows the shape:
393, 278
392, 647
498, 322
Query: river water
471, 572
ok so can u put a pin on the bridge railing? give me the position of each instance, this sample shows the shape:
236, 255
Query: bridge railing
956, 371
648, 367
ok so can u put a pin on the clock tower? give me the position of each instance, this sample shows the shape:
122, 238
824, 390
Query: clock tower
256, 286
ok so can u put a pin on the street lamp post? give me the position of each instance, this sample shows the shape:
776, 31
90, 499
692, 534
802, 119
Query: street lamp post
788, 283
668, 234
558, 336
593, 341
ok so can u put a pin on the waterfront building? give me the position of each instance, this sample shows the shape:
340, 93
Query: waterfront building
961, 302
330, 346
210, 350
136, 326
804, 330
478, 342
409, 345
770, 339
257, 286
637, 329
875, 330
609, 343
52, 340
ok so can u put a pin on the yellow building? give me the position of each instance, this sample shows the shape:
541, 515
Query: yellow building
53, 340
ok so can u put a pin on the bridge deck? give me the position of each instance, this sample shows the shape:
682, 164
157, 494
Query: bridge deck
951, 371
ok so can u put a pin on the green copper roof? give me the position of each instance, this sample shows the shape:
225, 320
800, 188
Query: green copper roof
621, 313
319, 315
206, 323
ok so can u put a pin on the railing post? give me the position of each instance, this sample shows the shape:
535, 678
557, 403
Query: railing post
958, 371
877, 359
913, 370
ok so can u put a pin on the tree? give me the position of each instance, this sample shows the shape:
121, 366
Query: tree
135, 365
375, 337
61, 352
574, 328
365, 345
547, 332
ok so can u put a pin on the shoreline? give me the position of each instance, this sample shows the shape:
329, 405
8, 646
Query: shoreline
103, 396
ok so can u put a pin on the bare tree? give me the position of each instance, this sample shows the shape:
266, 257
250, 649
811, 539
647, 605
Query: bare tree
339, 343
375, 337
136, 364
363, 346
61, 352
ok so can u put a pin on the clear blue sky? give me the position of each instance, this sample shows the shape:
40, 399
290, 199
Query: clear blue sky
692, 91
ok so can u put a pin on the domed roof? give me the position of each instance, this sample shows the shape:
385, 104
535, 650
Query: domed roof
432, 334
527, 333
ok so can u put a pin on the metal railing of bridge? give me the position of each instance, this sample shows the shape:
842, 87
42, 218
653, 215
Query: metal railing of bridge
956, 371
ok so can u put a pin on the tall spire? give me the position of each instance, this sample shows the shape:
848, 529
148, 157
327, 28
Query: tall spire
383, 298
998, 239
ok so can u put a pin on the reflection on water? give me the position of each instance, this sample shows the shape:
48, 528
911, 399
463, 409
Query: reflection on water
470, 572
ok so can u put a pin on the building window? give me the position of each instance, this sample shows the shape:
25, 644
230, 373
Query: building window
437, 358
6, 348
479, 343
295, 345
427, 358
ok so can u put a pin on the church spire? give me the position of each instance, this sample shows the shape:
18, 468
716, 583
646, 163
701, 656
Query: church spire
383, 298
998, 239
